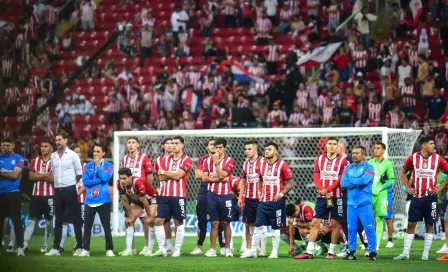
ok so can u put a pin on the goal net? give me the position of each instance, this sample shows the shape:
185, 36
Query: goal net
298, 146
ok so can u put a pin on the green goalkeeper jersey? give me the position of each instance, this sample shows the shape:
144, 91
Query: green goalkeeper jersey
384, 172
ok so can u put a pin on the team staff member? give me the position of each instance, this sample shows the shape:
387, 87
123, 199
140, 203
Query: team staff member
11, 165
67, 171
95, 178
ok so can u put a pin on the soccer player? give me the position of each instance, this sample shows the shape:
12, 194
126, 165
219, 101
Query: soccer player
276, 181
137, 196
300, 216
141, 167
357, 180
201, 200
173, 174
425, 166
11, 165
384, 179
42, 196
248, 199
331, 202
95, 179
217, 170
167, 146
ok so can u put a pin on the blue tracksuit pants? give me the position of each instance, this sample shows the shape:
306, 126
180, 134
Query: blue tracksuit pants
365, 214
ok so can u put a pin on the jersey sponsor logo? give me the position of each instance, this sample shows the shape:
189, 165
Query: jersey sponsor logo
329, 175
13, 162
252, 178
427, 173
271, 180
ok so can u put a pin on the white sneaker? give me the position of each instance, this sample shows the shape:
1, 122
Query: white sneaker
44, 249
143, 252
425, 257
160, 253
20, 252
196, 251
84, 253
222, 251
248, 254
176, 253
443, 250
362, 247
228, 253
10, 249
53, 252
343, 253
262, 253
77, 252
110, 253
210, 253
390, 244
274, 255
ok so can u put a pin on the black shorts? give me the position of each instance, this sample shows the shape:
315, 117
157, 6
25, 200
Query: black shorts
42, 206
336, 212
424, 208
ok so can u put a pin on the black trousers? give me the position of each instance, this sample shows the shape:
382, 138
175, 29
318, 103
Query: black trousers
229, 21
272, 67
145, 52
11, 205
66, 199
114, 118
104, 213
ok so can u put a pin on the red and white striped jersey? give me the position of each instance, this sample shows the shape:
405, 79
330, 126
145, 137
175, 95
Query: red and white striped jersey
12, 95
251, 173
413, 54
146, 39
257, 70
302, 99
375, 111
312, 90
135, 103
440, 140
395, 118
7, 67
228, 10
210, 86
41, 187
307, 122
51, 15
333, 16
140, 165
114, 105
306, 214
286, 15
261, 88
295, 119
272, 53
321, 101
227, 164
327, 113
281, 116
149, 21
360, 58
274, 178
294, 5
180, 78
157, 163
19, 41
425, 172
126, 123
195, 79
235, 185
243, 104
263, 27
139, 188
26, 111
408, 96
171, 187
327, 173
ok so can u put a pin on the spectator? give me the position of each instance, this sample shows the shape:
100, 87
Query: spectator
179, 18
109, 69
271, 10
346, 115
330, 114
399, 21
390, 94
286, 15
435, 109
126, 43
206, 22
375, 110
276, 117
113, 109
145, 44
263, 28
183, 50
333, 15
363, 20
360, 57
229, 11
404, 71
85, 107
63, 107
81, 59
408, 97
87, 9
12, 94
51, 18
313, 9
423, 44
67, 42
423, 71
247, 9
74, 18
342, 62
125, 74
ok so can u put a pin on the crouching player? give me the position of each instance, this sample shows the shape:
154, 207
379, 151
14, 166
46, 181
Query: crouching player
143, 198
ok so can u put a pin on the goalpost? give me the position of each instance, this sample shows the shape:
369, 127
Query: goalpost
298, 146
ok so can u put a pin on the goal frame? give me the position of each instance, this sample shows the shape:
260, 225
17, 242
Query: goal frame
241, 133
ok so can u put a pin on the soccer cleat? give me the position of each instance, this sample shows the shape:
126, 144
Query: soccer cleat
170, 251
126, 253
273, 255
44, 249
425, 257
443, 250
25, 246
20, 252
248, 254
443, 258
160, 253
343, 253
228, 253
372, 256
366, 254
330, 256
350, 257
110, 253
390, 244
210, 253
242, 250
143, 252
262, 253
121, 252
401, 257
53, 252
304, 256
222, 251
77, 252
84, 253
196, 251
10, 249
176, 253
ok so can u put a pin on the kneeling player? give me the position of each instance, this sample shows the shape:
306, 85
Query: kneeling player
300, 216
143, 198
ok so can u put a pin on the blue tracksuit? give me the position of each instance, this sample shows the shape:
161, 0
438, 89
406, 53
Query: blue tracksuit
357, 180
96, 181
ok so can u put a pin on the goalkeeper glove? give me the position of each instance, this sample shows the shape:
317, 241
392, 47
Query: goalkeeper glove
375, 193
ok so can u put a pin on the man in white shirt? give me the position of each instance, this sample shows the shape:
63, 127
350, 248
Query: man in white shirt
88, 8
67, 172
271, 10
404, 71
179, 17
85, 107
363, 19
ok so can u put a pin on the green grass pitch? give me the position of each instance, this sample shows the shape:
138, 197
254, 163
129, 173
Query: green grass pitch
36, 261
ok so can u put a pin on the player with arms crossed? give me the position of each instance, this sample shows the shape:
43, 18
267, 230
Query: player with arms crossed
173, 175
276, 181
217, 170
383, 180
142, 197
42, 196
201, 201
249, 194
330, 203
425, 166
141, 167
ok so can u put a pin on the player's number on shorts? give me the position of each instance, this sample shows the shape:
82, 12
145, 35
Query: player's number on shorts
50, 204
434, 210
182, 207
230, 212
278, 214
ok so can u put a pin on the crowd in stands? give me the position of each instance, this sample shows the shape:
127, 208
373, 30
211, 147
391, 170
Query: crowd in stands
398, 81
